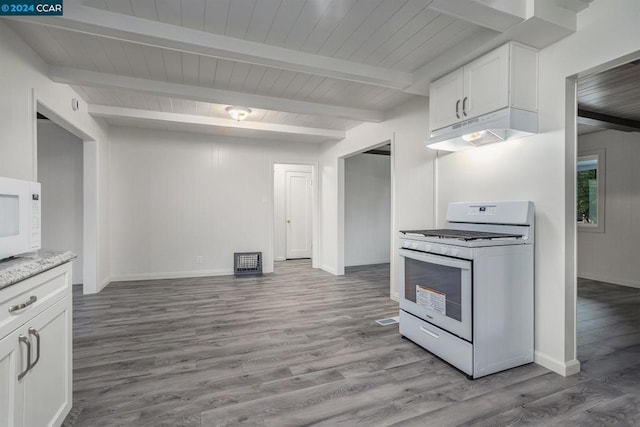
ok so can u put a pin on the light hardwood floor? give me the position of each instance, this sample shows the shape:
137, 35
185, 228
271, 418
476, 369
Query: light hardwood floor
300, 347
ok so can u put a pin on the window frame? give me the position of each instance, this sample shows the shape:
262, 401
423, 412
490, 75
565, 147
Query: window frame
600, 156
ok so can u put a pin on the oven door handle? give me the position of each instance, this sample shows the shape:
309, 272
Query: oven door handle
462, 264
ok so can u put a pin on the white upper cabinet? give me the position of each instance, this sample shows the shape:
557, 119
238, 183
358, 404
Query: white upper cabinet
504, 77
445, 100
486, 83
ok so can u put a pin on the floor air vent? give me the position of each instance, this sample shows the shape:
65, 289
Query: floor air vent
388, 321
247, 263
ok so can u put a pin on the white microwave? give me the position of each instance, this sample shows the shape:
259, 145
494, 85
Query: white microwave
19, 217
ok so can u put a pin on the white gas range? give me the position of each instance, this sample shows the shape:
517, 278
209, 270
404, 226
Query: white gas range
466, 291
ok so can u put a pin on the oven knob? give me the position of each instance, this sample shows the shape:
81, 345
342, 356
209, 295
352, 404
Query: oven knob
443, 251
427, 248
454, 252
405, 244
414, 245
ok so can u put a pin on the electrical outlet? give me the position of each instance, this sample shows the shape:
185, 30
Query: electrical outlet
199, 259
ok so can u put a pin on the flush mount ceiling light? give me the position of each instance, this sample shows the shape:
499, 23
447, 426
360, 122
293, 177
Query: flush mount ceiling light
238, 113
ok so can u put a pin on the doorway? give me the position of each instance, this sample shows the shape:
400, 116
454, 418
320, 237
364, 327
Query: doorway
367, 219
60, 158
607, 209
386, 145
294, 219
90, 278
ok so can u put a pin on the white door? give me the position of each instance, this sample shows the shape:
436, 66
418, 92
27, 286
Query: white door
486, 83
13, 361
48, 383
298, 214
445, 100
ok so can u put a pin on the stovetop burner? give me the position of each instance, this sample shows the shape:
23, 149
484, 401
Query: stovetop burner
466, 235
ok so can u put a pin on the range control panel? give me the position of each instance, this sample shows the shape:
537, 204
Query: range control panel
483, 210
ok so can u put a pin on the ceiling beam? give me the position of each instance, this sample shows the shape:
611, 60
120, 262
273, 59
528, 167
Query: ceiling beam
107, 111
117, 26
74, 76
591, 118
496, 15
378, 152
483, 41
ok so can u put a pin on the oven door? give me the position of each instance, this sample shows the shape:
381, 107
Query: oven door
437, 289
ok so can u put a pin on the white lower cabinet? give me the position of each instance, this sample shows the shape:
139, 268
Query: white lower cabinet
47, 386
11, 390
35, 366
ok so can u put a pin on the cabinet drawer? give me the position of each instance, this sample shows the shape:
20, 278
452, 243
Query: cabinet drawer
439, 342
37, 292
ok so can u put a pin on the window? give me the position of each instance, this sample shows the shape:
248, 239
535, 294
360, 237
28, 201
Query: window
590, 191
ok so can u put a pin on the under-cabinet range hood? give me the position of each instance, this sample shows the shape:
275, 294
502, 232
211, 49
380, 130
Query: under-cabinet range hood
501, 125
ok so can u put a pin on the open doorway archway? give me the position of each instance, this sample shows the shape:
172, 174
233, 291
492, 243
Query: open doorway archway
581, 158
90, 282
342, 207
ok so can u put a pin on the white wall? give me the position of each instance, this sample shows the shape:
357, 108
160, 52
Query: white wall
280, 207
612, 256
60, 173
542, 168
23, 79
412, 185
367, 218
176, 196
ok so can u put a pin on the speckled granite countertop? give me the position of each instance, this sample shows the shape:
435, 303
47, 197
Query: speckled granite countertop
19, 268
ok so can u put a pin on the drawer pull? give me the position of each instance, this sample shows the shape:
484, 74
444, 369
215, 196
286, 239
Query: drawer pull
426, 331
34, 332
17, 307
26, 341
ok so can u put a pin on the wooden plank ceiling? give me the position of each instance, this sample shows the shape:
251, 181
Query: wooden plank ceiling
610, 99
321, 65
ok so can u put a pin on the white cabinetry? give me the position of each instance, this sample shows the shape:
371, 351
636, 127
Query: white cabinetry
35, 350
445, 100
10, 389
504, 77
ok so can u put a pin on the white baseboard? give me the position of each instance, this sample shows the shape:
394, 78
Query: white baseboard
610, 279
565, 369
279, 258
368, 262
104, 283
329, 269
395, 296
171, 275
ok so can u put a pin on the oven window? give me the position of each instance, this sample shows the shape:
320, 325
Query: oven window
434, 286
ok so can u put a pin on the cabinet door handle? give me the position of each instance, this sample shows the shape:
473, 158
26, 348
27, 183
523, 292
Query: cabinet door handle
34, 332
17, 307
464, 106
457, 108
26, 341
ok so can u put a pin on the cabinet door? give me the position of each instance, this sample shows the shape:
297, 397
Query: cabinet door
13, 360
445, 94
47, 386
486, 83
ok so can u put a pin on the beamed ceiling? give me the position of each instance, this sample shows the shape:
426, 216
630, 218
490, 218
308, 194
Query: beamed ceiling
610, 100
309, 70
